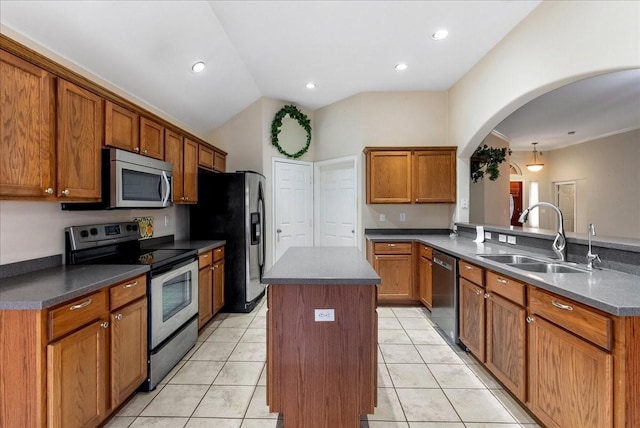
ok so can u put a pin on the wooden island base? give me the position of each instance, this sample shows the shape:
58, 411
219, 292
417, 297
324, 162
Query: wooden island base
321, 374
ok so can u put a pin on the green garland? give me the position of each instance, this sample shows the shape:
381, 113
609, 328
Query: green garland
487, 160
302, 119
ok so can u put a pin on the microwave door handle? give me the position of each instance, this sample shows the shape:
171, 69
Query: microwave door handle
167, 192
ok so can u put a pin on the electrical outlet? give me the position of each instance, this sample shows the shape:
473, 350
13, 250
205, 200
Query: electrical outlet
487, 235
502, 238
383, 217
511, 240
403, 216
464, 204
325, 315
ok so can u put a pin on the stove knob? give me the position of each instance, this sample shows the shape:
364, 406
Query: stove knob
84, 234
135, 227
94, 231
128, 228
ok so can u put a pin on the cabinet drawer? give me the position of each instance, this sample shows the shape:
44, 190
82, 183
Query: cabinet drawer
392, 248
75, 314
218, 254
205, 259
128, 291
426, 251
506, 287
471, 272
572, 316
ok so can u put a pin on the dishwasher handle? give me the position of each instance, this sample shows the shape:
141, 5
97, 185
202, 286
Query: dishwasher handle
445, 265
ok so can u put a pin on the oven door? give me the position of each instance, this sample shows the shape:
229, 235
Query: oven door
174, 300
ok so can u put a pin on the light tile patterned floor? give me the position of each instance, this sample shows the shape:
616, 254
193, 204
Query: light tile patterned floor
423, 382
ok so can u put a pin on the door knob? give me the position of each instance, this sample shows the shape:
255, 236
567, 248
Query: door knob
278, 230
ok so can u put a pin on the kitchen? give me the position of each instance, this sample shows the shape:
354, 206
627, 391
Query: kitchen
459, 117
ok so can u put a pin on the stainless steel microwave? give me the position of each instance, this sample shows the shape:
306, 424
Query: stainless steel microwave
130, 180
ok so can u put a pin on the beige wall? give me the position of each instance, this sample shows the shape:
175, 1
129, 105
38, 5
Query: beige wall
489, 200
556, 44
607, 176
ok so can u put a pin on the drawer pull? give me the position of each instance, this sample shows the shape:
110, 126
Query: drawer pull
467, 267
529, 319
204, 256
561, 306
118, 317
131, 284
502, 281
392, 245
81, 305
104, 324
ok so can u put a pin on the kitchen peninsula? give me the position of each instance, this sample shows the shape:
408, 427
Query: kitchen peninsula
321, 337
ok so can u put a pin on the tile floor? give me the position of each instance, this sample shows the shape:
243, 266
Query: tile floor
423, 382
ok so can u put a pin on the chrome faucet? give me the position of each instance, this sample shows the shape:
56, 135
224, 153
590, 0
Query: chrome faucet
590, 256
559, 245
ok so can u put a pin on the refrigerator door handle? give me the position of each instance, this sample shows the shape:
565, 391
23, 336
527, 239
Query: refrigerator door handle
259, 235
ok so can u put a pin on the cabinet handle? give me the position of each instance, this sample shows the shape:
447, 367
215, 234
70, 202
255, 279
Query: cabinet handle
487, 296
391, 245
529, 319
104, 324
502, 281
182, 198
80, 305
186, 198
48, 191
131, 284
467, 267
65, 192
213, 267
561, 306
145, 151
118, 317
478, 292
137, 149
205, 255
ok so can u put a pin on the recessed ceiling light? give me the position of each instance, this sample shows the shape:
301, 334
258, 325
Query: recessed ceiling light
401, 66
198, 67
440, 34
310, 85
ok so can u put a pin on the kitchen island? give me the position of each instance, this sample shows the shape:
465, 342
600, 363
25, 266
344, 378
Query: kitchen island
321, 337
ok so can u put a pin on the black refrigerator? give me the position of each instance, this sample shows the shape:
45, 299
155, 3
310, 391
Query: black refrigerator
231, 207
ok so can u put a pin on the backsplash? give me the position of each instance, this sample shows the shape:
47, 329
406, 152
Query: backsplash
30, 230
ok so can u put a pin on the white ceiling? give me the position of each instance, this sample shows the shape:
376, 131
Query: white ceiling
594, 107
263, 48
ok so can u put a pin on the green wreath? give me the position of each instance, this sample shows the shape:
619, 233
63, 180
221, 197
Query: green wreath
302, 119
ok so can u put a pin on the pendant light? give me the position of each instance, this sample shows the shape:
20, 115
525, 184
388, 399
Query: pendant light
536, 165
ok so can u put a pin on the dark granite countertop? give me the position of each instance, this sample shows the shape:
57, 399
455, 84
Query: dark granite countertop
614, 292
49, 287
200, 246
322, 265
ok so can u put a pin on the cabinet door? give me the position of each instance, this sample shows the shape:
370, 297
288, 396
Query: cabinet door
80, 133
27, 151
205, 296
506, 342
190, 171
121, 128
151, 139
219, 162
128, 350
395, 275
174, 154
389, 177
571, 380
426, 267
77, 378
434, 176
218, 286
206, 157
472, 318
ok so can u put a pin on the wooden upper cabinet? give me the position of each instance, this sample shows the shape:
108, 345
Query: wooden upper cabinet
434, 176
219, 161
389, 177
411, 175
121, 128
206, 157
151, 139
174, 154
190, 171
27, 122
79, 140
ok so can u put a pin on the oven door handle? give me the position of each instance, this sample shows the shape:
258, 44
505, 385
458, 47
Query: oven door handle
167, 189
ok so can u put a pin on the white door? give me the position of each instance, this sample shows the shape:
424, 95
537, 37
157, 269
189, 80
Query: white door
336, 202
293, 205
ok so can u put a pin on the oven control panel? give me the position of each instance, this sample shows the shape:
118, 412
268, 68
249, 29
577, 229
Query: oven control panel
96, 235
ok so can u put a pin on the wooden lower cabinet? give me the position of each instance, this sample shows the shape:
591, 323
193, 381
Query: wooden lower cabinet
210, 284
205, 296
77, 394
571, 380
128, 350
218, 285
426, 282
506, 343
472, 318
394, 262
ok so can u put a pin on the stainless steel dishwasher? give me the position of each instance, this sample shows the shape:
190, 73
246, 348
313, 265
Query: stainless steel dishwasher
444, 311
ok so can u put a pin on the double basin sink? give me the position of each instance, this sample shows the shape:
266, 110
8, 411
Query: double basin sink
532, 264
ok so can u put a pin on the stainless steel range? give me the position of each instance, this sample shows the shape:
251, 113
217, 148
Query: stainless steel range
172, 287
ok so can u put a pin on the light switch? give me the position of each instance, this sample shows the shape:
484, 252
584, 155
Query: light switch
325, 315
383, 217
